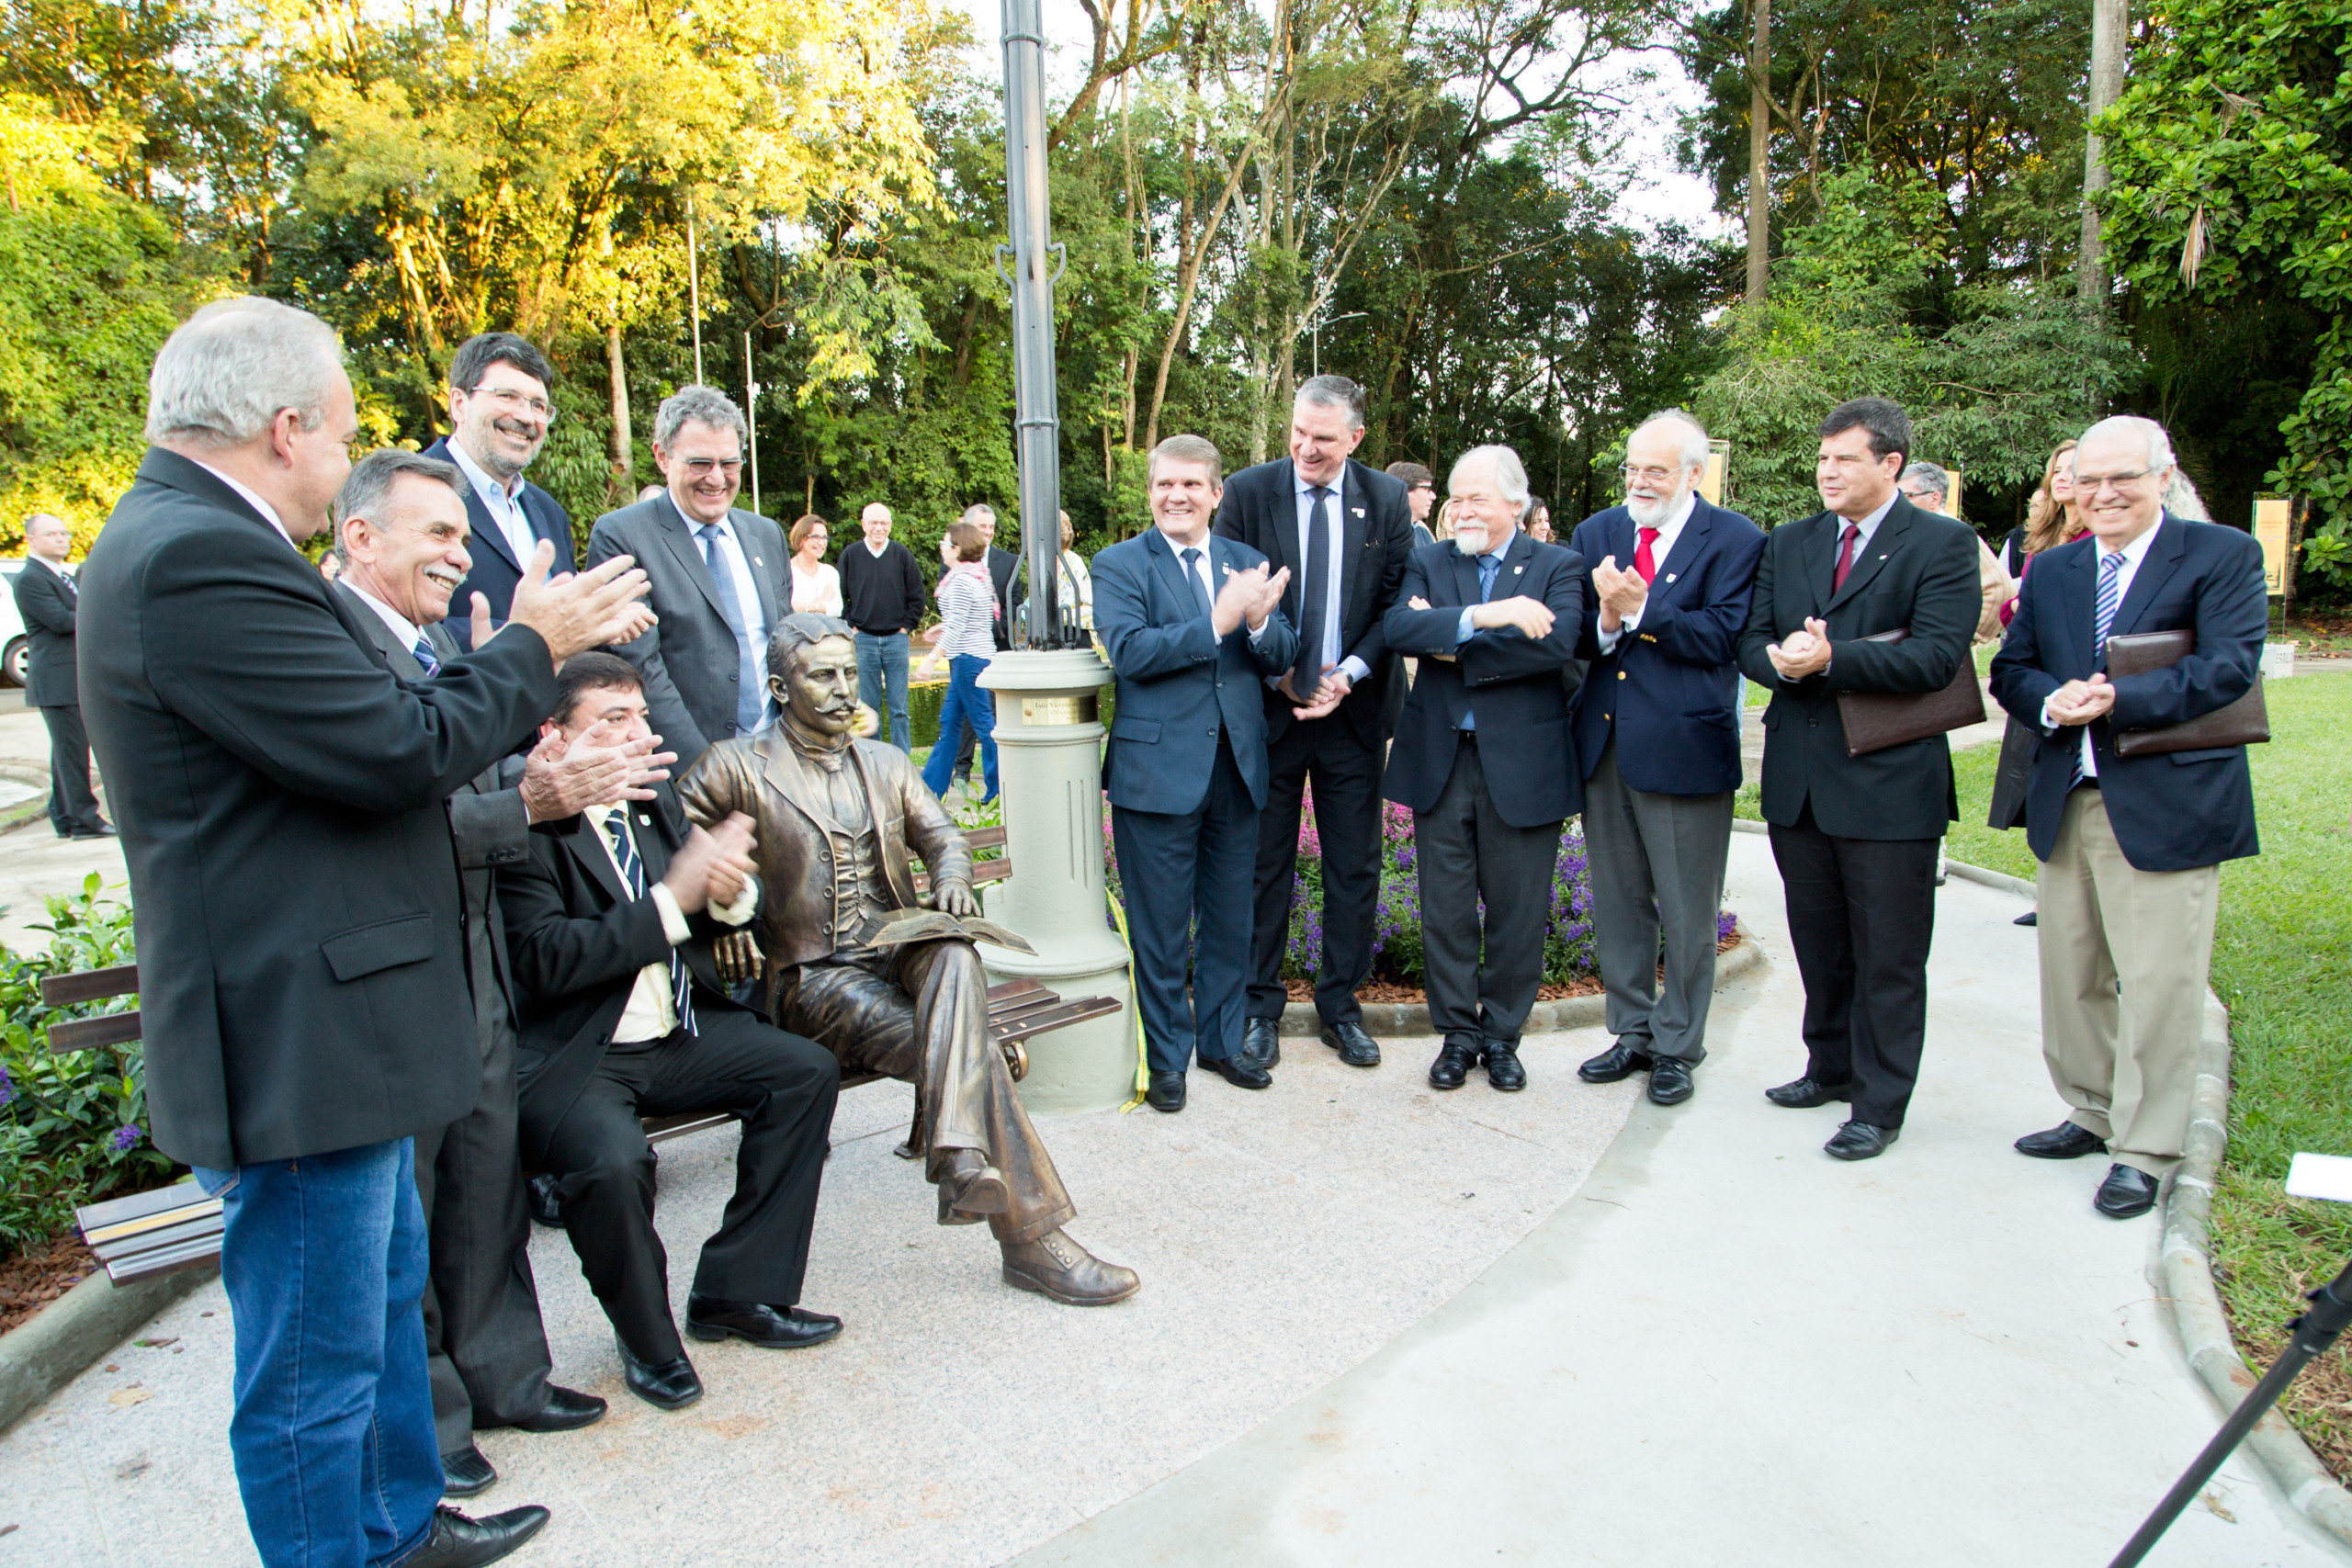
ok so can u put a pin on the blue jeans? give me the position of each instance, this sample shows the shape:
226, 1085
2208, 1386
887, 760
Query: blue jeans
965, 703
882, 660
323, 1259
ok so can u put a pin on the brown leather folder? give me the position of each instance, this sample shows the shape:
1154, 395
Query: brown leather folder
2245, 722
1876, 720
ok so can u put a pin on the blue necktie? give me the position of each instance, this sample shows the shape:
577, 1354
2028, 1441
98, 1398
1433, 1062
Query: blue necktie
633, 877
2110, 578
1489, 566
1314, 598
750, 692
425, 656
1200, 589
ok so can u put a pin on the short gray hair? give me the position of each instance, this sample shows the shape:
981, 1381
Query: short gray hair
367, 493
804, 630
1333, 392
1188, 449
696, 405
2159, 445
235, 367
1695, 448
980, 515
1511, 474
1931, 477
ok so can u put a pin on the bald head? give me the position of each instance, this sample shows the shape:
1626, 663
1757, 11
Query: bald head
48, 536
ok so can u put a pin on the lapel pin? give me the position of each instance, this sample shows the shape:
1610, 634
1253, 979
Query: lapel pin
1517, 569
1357, 511
1669, 577
643, 821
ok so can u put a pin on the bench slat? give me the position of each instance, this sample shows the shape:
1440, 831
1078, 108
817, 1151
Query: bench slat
87, 1033
196, 1253
89, 986
1061, 1017
113, 1210
1004, 988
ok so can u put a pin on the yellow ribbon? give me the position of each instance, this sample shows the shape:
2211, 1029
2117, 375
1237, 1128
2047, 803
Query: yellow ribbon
1143, 1070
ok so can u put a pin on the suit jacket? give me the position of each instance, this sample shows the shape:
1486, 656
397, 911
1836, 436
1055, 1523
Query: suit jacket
1670, 692
1920, 573
763, 777
1000, 566
1178, 681
1261, 509
46, 602
2176, 810
689, 660
496, 570
1509, 683
279, 793
489, 826
579, 942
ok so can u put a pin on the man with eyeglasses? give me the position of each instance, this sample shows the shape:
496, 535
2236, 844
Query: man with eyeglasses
501, 401
2130, 847
718, 576
1656, 727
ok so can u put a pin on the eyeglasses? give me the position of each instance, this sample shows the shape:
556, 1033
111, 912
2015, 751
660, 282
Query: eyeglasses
1655, 475
2096, 482
702, 467
508, 398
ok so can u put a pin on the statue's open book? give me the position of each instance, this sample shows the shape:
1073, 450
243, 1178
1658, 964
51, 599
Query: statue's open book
901, 927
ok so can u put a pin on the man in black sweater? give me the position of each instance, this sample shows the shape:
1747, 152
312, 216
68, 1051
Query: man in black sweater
882, 591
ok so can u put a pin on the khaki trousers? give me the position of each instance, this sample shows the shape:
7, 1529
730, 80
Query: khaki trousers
2124, 957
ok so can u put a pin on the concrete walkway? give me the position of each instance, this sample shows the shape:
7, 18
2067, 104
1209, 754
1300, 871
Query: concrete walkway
36, 864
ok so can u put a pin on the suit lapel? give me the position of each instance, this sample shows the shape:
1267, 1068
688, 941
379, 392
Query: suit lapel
1172, 572
400, 661
1686, 546
679, 535
2161, 561
586, 842
1465, 576
485, 528
1872, 556
755, 552
1355, 524
1821, 558
445, 646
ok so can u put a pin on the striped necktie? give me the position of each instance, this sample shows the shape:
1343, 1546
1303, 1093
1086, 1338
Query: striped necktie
2110, 578
425, 656
633, 877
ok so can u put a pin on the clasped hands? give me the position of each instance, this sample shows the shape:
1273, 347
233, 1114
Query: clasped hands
2079, 701
561, 777
1622, 593
1802, 652
713, 867
1248, 595
1532, 617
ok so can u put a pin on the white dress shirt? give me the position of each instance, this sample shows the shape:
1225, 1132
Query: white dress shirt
408, 631
252, 498
1660, 547
505, 506
1303, 491
747, 590
2134, 554
651, 1011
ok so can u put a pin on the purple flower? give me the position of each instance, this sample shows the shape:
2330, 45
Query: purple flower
127, 1138
7, 1086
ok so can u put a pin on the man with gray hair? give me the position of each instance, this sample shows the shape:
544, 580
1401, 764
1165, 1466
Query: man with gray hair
1929, 487
46, 602
295, 884
1658, 733
2130, 846
717, 575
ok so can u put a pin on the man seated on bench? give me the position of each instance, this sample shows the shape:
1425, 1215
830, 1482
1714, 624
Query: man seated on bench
623, 1015
836, 817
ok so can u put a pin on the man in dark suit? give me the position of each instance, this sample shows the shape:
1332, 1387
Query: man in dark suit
623, 1016
299, 920
1187, 765
1855, 836
46, 598
1485, 761
718, 576
1342, 531
1671, 581
501, 401
401, 535
2131, 846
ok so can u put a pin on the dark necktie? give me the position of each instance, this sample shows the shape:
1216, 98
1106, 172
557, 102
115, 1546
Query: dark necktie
1846, 556
751, 691
1192, 560
633, 878
1314, 596
1489, 567
425, 656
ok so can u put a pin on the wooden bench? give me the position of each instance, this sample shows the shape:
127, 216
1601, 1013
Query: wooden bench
179, 1227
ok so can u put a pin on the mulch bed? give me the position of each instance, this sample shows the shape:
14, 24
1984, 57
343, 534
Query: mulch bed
1384, 992
30, 1280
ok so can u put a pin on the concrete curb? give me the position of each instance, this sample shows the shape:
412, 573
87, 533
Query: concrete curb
2185, 1279
60, 1342
1383, 1019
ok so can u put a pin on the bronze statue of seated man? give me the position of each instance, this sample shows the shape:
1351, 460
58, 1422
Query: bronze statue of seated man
836, 817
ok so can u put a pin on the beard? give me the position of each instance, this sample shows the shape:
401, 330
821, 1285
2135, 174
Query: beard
1651, 514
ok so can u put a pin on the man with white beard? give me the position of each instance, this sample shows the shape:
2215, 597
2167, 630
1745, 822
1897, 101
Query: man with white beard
1658, 730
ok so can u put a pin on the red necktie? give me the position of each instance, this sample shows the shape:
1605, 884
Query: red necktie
1645, 557
1846, 556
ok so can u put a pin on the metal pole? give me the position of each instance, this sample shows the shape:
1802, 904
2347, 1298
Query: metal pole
694, 286
751, 418
1036, 407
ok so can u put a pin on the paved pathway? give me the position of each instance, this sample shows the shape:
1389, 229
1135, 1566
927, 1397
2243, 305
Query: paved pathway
35, 863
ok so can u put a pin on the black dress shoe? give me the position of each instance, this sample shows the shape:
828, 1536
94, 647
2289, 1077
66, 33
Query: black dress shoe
1240, 1074
1503, 1069
2127, 1192
1670, 1081
1807, 1093
670, 1384
2030, 918
2065, 1141
769, 1328
1861, 1140
103, 830
1262, 1043
1452, 1068
456, 1541
1166, 1092
1619, 1061
1356, 1048
466, 1474
538, 1196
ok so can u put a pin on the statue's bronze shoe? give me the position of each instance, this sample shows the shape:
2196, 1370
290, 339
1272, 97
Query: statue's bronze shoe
970, 1189
1054, 1266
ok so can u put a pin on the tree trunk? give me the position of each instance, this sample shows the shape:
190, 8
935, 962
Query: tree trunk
617, 368
2110, 20
1760, 139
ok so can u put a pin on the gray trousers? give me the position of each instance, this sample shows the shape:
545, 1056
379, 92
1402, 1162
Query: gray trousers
1658, 869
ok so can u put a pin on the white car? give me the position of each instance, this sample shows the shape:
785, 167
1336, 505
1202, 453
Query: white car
15, 655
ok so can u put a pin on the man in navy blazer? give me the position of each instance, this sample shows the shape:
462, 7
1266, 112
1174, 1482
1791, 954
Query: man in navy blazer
1484, 759
2131, 846
1658, 729
500, 400
1186, 767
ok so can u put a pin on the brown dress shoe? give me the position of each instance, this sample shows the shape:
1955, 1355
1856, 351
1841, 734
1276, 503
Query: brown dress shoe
1054, 1266
970, 1189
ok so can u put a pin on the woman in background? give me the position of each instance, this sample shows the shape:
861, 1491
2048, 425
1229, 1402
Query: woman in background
1077, 587
816, 587
968, 610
